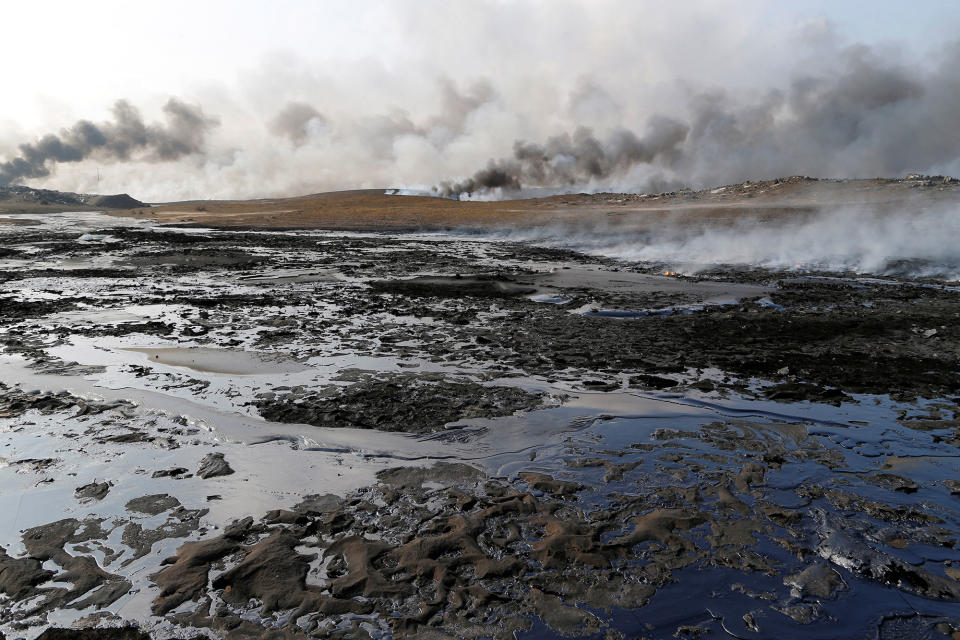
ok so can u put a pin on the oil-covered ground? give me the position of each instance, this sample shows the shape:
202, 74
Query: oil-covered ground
259, 434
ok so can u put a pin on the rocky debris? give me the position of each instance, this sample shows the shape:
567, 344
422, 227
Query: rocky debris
185, 576
801, 391
93, 491
895, 482
16, 402
173, 472
651, 381
547, 484
446, 473
920, 179
180, 523
214, 465
91, 585
36, 465
153, 504
12, 310
19, 577
818, 580
274, 573
414, 404
601, 385
838, 547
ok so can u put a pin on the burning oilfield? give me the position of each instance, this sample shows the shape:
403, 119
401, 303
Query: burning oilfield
547, 350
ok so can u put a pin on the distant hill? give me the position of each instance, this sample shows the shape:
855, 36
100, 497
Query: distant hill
375, 209
118, 201
18, 199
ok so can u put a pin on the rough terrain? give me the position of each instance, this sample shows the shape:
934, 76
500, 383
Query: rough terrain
363, 210
20, 199
242, 433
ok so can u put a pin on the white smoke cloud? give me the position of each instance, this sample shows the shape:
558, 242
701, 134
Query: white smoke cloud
593, 86
909, 241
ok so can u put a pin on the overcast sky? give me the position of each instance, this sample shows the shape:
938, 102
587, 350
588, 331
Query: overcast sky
543, 68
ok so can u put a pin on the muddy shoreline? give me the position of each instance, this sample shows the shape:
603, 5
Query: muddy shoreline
242, 433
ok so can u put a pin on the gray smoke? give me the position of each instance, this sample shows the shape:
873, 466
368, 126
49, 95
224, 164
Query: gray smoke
456, 107
567, 161
867, 117
296, 121
914, 241
562, 98
182, 135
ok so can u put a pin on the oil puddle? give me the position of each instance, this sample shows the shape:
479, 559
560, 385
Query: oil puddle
708, 292
592, 312
550, 298
292, 276
95, 317
206, 360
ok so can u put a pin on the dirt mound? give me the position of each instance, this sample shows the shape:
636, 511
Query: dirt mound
118, 201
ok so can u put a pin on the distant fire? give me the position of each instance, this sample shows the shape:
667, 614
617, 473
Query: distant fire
670, 273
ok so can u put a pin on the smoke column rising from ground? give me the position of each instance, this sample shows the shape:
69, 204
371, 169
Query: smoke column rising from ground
869, 117
115, 141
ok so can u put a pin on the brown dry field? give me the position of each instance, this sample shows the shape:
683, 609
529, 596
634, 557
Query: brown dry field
371, 209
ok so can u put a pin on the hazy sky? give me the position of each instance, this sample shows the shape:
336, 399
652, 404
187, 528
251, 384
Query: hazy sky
379, 76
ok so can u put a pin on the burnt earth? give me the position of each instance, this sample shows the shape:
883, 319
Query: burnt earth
399, 403
722, 527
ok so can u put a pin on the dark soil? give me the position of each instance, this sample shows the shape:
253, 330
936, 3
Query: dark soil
724, 527
399, 403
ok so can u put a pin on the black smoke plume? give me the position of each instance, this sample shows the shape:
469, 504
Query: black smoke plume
566, 161
866, 117
126, 136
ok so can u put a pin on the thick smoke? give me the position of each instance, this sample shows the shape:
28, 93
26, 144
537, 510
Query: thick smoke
499, 99
569, 161
182, 135
868, 117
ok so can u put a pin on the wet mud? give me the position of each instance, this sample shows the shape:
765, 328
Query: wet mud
244, 434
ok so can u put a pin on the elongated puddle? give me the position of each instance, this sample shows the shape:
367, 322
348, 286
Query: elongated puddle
220, 360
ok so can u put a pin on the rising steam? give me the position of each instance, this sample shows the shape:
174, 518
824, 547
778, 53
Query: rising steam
183, 134
913, 241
